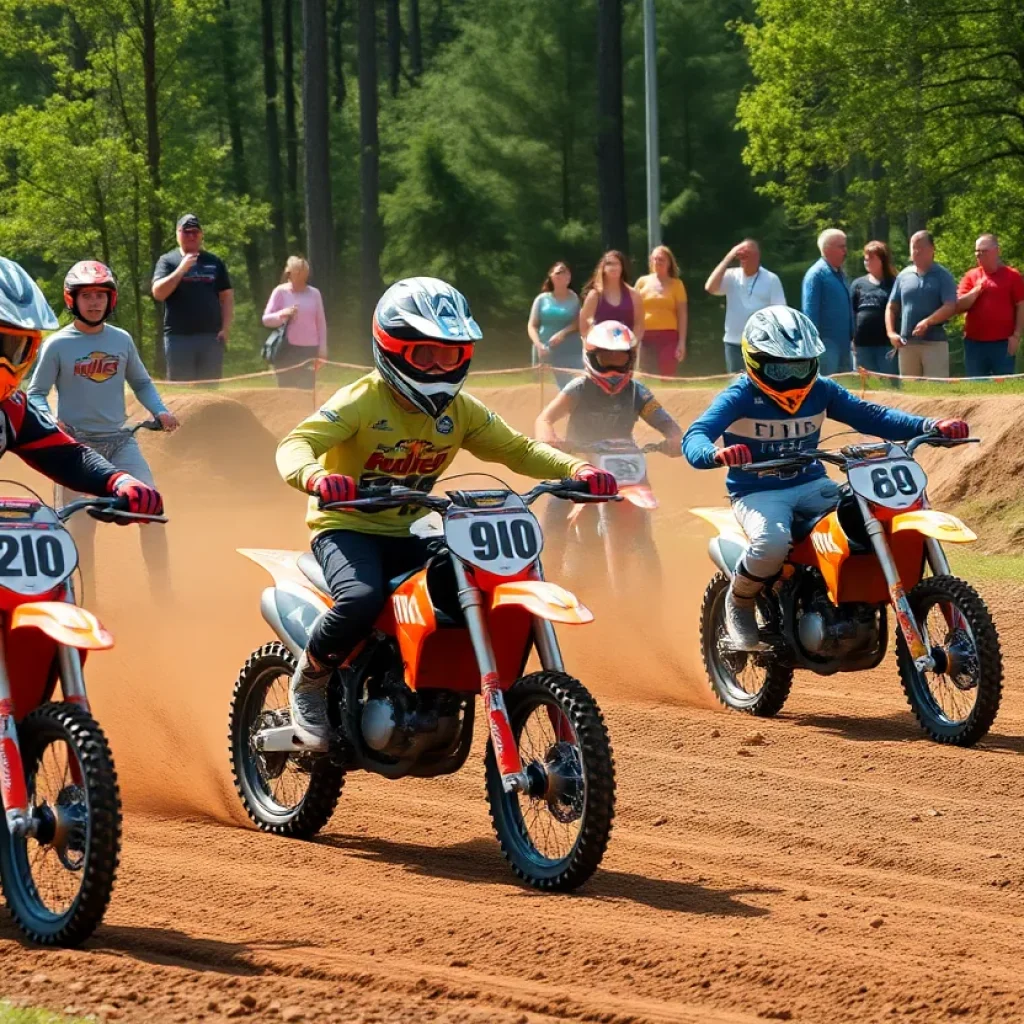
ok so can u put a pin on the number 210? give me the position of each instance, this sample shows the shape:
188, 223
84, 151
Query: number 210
39, 553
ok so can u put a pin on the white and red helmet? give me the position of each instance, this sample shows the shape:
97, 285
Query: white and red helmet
609, 336
90, 274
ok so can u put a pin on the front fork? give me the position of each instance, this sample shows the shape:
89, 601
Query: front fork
923, 660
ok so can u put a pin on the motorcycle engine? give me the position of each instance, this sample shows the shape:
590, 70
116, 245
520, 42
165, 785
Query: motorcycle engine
826, 631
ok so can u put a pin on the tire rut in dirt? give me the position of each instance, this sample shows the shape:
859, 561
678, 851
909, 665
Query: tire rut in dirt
309, 815
571, 698
84, 738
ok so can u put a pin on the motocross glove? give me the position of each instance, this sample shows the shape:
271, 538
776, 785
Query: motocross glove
598, 481
734, 455
331, 487
955, 429
141, 498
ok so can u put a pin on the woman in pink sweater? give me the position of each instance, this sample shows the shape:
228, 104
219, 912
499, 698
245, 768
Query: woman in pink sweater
298, 304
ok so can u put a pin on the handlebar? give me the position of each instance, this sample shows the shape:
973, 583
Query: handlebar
150, 424
618, 448
853, 453
378, 500
106, 510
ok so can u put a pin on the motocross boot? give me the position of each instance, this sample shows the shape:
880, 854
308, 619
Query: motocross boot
740, 612
307, 698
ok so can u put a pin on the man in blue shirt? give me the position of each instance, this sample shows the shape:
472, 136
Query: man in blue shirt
924, 298
825, 299
776, 409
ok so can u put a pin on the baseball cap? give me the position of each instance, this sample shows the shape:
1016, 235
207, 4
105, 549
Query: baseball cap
189, 220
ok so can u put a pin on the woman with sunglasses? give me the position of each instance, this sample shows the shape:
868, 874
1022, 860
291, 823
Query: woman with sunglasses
401, 424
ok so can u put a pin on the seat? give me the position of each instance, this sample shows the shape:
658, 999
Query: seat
310, 568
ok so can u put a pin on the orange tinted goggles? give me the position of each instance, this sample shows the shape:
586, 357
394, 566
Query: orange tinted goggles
17, 346
426, 356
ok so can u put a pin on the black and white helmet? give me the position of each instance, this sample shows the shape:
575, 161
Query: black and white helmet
781, 348
22, 304
423, 337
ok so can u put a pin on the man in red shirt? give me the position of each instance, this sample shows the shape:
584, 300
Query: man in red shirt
992, 296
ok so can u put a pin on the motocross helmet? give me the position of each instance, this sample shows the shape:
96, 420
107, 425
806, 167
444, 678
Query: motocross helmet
781, 347
24, 315
604, 338
90, 274
423, 337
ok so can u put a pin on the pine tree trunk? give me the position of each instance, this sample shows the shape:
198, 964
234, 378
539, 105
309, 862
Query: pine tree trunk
370, 159
611, 159
317, 147
151, 95
275, 171
291, 132
239, 169
338, 53
394, 35
415, 39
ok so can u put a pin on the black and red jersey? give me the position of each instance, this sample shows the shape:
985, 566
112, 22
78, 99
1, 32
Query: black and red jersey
32, 435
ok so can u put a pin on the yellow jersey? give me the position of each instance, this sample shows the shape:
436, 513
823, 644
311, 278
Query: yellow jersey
361, 431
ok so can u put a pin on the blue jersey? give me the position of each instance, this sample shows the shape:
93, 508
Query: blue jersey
743, 414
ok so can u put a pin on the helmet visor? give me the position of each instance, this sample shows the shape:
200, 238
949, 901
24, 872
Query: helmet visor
426, 357
789, 370
16, 346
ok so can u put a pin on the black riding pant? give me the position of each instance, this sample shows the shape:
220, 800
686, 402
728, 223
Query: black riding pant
357, 567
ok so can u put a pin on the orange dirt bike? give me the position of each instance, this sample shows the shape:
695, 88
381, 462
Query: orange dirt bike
404, 702
60, 837
827, 611
623, 530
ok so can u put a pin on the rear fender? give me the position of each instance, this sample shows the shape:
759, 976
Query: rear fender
932, 523
68, 624
724, 521
291, 611
282, 565
542, 599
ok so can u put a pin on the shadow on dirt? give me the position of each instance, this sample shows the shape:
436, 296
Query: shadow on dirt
479, 860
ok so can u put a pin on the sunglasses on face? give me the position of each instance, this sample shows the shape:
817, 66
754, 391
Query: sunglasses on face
425, 356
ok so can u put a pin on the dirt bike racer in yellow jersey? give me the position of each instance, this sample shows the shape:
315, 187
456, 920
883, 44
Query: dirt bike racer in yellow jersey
401, 425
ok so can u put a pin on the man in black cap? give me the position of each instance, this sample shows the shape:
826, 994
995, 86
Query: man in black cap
199, 304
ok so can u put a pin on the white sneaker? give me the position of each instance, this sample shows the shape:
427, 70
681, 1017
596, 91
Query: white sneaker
307, 698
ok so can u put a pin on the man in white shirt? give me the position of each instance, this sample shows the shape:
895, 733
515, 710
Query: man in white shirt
747, 288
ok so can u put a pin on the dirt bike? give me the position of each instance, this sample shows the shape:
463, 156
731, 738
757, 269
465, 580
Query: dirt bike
403, 704
60, 837
622, 531
827, 611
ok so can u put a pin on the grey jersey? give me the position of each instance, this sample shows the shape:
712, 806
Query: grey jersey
89, 372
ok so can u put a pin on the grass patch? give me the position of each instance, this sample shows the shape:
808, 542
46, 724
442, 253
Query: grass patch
976, 565
16, 1015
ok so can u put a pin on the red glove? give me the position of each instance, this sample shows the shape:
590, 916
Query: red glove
734, 455
142, 499
952, 428
598, 481
332, 487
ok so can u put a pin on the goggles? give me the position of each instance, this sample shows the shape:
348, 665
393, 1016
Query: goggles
798, 369
17, 346
425, 356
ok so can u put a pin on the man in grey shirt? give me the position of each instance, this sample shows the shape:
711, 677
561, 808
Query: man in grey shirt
924, 298
88, 362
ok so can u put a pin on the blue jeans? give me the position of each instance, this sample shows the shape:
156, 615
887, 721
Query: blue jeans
988, 358
734, 358
879, 359
194, 356
838, 358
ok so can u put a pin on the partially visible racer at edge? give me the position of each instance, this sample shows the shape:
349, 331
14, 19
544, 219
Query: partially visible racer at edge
776, 408
401, 424
28, 431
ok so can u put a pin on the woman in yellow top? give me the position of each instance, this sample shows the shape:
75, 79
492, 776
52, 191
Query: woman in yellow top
663, 346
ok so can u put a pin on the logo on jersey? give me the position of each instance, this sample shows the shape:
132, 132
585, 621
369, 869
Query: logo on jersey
97, 366
408, 457
382, 425
445, 425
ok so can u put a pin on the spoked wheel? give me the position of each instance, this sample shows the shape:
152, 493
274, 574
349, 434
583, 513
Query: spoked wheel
287, 794
555, 836
958, 701
58, 882
756, 683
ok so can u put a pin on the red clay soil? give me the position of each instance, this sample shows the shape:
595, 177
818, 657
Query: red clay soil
830, 865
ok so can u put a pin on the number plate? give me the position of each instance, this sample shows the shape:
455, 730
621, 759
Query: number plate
894, 483
503, 541
35, 560
627, 469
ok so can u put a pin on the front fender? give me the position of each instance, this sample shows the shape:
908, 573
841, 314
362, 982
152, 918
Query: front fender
543, 599
66, 623
931, 523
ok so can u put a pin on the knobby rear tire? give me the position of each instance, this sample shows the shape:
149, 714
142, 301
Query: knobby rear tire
83, 736
306, 818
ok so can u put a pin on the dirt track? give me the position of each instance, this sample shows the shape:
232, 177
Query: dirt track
842, 870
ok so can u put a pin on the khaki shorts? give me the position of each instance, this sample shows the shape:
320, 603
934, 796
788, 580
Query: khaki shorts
925, 359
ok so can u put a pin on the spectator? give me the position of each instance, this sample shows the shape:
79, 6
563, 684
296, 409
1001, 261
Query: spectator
924, 298
826, 300
665, 314
609, 296
554, 325
297, 304
747, 288
199, 305
992, 295
870, 295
